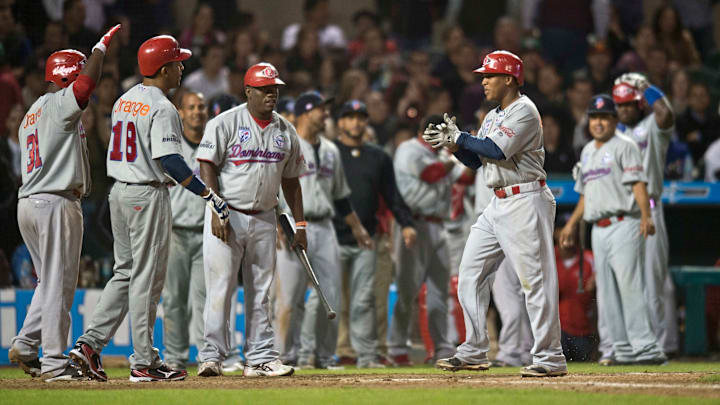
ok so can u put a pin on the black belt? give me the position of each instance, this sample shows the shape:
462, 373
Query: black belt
155, 184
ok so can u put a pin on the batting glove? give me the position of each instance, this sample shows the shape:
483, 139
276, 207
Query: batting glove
434, 136
218, 205
104, 42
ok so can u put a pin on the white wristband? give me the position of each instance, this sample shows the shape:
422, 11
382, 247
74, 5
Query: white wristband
100, 47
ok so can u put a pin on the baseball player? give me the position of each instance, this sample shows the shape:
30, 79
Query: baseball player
611, 180
325, 195
424, 182
517, 225
145, 147
247, 153
652, 134
55, 175
184, 292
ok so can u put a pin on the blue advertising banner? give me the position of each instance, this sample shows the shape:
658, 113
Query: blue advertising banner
674, 193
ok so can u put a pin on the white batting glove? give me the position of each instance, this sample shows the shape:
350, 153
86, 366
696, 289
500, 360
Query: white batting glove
434, 136
104, 42
451, 128
218, 205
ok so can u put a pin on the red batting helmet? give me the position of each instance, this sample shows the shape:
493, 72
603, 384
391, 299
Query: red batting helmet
503, 62
159, 50
262, 74
625, 93
63, 67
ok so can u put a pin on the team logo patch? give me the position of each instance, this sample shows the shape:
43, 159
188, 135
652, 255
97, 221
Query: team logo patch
137, 208
243, 134
279, 141
507, 131
599, 103
269, 73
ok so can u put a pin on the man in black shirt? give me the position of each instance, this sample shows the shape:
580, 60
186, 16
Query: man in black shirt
369, 171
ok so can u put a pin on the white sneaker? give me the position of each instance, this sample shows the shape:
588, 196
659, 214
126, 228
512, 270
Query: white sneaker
273, 368
210, 369
233, 367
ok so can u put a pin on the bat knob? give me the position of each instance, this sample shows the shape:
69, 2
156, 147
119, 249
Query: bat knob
331, 315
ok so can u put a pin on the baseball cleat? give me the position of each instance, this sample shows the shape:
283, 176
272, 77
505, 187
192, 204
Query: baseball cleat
71, 373
162, 373
232, 365
370, 364
455, 364
607, 361
31, 367
539, 370
210, 369
89, 361
273, 368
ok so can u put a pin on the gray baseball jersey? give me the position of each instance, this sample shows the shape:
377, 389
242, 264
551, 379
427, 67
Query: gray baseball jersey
188, 210
653, 143
606, 178
517, 131
146, 126
251, 160
322, 182
411, 158
53, 146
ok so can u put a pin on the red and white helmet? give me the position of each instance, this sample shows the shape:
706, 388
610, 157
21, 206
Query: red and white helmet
503, 62
159, 50
262, 74
625, 93
63, 67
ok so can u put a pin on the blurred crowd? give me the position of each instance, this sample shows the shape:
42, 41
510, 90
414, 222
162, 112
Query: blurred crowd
405, 59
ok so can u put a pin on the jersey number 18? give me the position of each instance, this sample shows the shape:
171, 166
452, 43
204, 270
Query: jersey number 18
130, 143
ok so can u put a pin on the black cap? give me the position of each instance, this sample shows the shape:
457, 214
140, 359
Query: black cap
222, 103
285, 105
351, 107
601, 104
309, 100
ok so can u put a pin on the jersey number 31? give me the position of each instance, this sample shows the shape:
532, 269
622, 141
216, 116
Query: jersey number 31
130, 144
34, 160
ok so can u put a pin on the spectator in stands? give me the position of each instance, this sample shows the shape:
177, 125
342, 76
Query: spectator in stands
243, 50
507, 35
577, 309
35, 85
464, 59
532, 62
236, 82
679, 91
453, 37
636, 59
317, 16
201, 33
658, 67
599, 60
379, 117
9, 88
54, 38
578, 96
106, 94
550, 88
559, 155
10, 166
18, 49
11, 147
377, 60
699, 126
305, 55
674, 38
354, 85
363, 21
212, 78
79, 36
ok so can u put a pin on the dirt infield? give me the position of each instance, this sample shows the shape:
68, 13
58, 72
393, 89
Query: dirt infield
665, 384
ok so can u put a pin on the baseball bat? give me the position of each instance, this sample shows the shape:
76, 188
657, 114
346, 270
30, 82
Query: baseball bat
581, 287
302, 255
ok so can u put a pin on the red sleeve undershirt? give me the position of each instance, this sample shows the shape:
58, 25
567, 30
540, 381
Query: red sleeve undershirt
82, 89
433, 173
